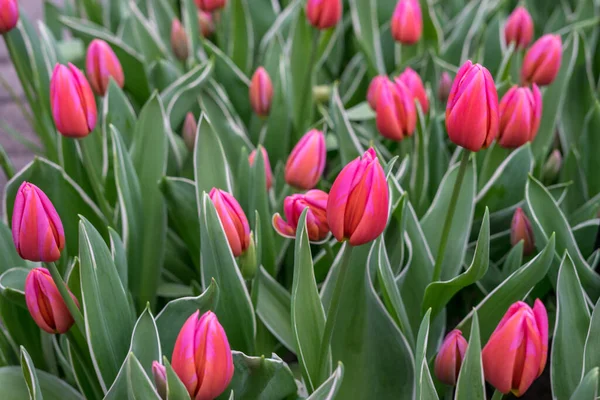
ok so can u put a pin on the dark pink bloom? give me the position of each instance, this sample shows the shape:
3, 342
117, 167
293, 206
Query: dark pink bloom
206, 23
316, 218
519, 28
261, 92
9, 15
323, 14
542, 61
268, 172
101, 64
520, 229
407, 22
210, 5
396, 115
374, 89
413, 82
520, 113
234, 221
449, 359
306, 163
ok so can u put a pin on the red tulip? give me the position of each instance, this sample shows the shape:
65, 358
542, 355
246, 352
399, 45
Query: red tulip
45, 304
396, 115
9, 15
520, 113
36, 227
202, 357
542, 61
190, 127
407, 22
72, 102
210, 5
323, 14
472, 110
159, 373
179, 40
520, 229
234, 221
375, 89
357, 208
413, 82
450, 357
268, 172
519, 28
261, 92
101, 64
306, 163
206, 23
516, 353
444, 86
316, 217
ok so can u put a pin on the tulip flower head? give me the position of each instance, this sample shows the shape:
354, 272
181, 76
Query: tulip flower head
374, 90
190, 127
520, 229
323, 14
179, 40
542, 61
36, 227
316, 217
472, 109
407, 22
261, 92
519, 28
159, 372
516, 353
101, 64
202, 357
206, 23
234, 221
9, 15
396, 115
268, 172
210, 5
520, 112
444, 87
449, 358
413, 82
357, 208
72, 102
45, 304
306, 163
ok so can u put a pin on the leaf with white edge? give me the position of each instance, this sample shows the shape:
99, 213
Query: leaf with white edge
470, 384
176, 390
30, 375
10, 257
329, 389
12, 285
350, 146
240, 45
132, 383
189, 16
592, 343
119, 255
118, 111
145, 342
423, 382
14, 387
366, 29
588, 387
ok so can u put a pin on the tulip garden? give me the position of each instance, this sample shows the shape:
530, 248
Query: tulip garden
303, 199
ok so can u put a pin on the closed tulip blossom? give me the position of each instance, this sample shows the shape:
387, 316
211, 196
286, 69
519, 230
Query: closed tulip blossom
179, 41
234, 221
190, 127
206, 23
520, 229
520, 113
159, 372
9, 15
472, 110
407, 22
323, 14
72, 102
261, 92
268, 171
357, 208
45, 304
444, 86
519, 28
202, 357
101, 64
450, 357
396, 115
36, 227
516, 353
306, 163
542, 60
316, 217
210, 5
374, 90
413, 82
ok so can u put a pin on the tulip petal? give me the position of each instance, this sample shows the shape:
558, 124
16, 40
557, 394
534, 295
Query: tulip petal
282, 227
541, 319
338, 198
183, 360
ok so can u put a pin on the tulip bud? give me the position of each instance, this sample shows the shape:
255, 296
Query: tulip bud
520, 113
72, 102
520, 229
396, 115
519, 28
190, 126
316, 217
101, 63
542, 61
306, 163
206, 23
268, 172
45, 304
357, 208
472, 110
444, 86
179, 41
374, 90
450, 357
234, 221
407, 22
160, 379
9, 15
516, 353
261, 92
248, 260
210, 5
413, 82
36, 227
552, 167
323, 14
202, 357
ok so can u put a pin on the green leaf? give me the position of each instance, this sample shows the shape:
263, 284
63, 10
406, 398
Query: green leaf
589, 140
588, 387
329, 389
350, 146
117, 110
119, 255
8, 353
30, 375
240, 45
148, 41
145, 342
132, 383
176, 390
366, 30
470, 385
419, 177
570, 331
14, 387
10, 257
189, 14
592, 343
423, 382
12, 285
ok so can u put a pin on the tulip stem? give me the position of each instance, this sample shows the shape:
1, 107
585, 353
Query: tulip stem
66, 295
308, 78
6, 165
333, 309
437, 270
498, 395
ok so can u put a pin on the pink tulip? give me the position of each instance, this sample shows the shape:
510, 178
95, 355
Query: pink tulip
179, 41
449, 358
520, 113
9, 15
323, 14
444, 87
101, 64
206, 23
202, 357
306, 163
268, 172
472, 110
261, 92
316, 217
159, 373
234, 221
374, 90
72, 102
189, 131
542, 61
210, 5
519, 28
36, 227
407, 22
46, 306
396, 115
520, 229
516, 353
357, 208
413, 82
